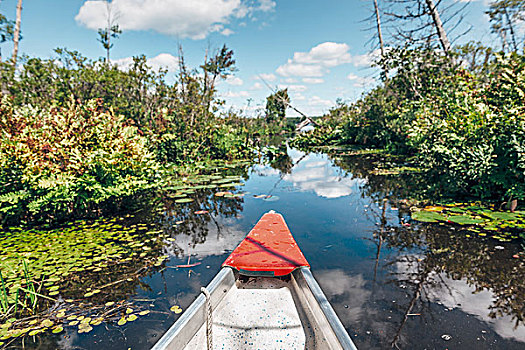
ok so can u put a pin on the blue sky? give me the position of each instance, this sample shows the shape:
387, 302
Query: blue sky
318, 49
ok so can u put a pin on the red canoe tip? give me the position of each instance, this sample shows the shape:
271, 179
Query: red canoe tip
269, 249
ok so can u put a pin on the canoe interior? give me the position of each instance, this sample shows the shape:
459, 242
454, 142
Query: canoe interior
260, 313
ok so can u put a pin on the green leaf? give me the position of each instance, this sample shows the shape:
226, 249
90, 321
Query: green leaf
464, 220
184, 200
428, 216
58, 329
501, 216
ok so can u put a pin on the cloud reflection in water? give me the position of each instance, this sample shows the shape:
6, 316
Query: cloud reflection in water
319, 176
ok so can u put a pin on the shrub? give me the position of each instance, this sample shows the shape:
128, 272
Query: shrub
466, 127
64, 161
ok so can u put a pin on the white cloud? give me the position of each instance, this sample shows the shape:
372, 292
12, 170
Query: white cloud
313, 80
347, 293
267, 77
469, 298
266, 5
298, 97
193, 19
234, 94
163, 60
319, 102
317, 62
293, 88
302, 70
215, 244
367, 59
227, 32
233, 80
256, 86
361, 81
321, 178
328, 54
290, 81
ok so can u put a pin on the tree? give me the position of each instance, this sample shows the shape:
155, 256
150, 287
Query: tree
16, 38
6, 31
112, 30
506, 16
419, 22
438, 25
379, 33
276, 105
220, 65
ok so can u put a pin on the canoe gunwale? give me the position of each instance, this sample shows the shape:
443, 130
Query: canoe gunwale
181, 332
335, 323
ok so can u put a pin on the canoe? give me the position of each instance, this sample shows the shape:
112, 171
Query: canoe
264, 297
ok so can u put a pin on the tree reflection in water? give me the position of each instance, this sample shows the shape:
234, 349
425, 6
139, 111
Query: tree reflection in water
436, 263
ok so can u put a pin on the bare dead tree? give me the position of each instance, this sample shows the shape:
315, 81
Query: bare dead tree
16, 37
416, 22
379, 33
442, 34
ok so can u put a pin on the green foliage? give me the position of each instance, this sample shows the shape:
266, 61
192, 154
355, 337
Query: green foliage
105, 36
7, 29
472, 138
68, 161
276, 105
466, 127
80, 136
505, 17
136, 93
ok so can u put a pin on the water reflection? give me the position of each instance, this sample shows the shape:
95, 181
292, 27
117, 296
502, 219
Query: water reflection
316, 173
347, 291
392, 282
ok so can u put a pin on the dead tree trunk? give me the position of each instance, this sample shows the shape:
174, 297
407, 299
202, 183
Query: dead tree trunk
379, 34
18, 23
445, 44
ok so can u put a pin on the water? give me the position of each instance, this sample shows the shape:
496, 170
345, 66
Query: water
393, 283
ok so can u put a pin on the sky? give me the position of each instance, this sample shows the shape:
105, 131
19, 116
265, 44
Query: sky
320, 50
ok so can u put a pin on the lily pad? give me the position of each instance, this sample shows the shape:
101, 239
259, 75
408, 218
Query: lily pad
57, 329
271, 198
176, 309
184, 200
498, 215
455, 210
464, 220
85, 329
428, 216
233, 184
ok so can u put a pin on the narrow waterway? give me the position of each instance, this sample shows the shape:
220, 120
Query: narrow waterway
393, 282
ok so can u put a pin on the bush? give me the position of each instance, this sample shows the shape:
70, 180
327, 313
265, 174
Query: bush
473, 139
73, 160
466, 127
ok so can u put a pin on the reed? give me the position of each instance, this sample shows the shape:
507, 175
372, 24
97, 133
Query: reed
4, 304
